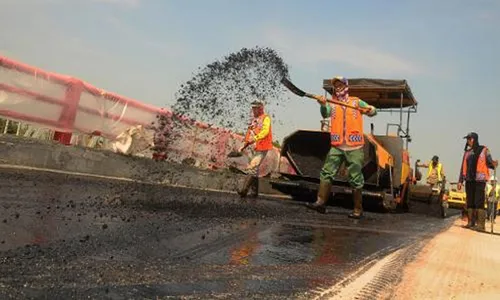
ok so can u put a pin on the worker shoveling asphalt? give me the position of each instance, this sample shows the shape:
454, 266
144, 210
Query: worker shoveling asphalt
260, 135
347, 141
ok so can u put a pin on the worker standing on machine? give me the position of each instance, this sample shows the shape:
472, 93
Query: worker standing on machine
435, 173
347, 141
475, 172
259, 133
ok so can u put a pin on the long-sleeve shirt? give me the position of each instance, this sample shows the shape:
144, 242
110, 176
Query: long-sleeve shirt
326, 111
266, 125
471, 169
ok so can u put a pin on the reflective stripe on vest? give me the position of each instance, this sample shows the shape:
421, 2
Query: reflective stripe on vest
346, 125
482, 171
438, 169
267, 142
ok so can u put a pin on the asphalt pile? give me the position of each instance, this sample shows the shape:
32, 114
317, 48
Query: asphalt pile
220, 94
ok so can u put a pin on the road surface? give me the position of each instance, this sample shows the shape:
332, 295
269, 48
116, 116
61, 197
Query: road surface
64, 236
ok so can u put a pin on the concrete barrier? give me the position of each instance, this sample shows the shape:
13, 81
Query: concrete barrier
54, 156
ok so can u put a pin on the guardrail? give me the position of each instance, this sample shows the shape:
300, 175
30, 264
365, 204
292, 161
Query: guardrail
68, 105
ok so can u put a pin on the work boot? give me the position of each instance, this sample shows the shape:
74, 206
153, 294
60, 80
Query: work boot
470, 218
481, 220
358, 204
322, 197
246, 186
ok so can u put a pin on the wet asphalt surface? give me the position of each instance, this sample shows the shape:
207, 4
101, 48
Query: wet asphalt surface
71, 237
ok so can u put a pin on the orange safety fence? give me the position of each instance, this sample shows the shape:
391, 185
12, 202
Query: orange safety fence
68, 105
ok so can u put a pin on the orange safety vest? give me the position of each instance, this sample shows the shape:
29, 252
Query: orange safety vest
482, 171
267, 142
346, 125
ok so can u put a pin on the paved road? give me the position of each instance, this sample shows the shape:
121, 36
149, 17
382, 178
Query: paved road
65, 236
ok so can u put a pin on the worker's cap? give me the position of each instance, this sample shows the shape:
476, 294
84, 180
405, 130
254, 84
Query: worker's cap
471, 135
341, 79
493, 178
435, 158
257, 103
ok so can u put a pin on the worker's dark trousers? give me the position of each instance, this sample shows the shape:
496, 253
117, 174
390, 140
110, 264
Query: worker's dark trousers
476, 194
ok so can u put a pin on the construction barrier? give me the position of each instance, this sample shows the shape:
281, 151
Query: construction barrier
68, 105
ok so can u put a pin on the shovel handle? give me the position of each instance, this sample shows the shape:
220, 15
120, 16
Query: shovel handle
320, 98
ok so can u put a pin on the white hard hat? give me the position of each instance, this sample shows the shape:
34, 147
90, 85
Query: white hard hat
493, 178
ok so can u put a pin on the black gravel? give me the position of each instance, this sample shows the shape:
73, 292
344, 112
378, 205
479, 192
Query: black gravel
221, 92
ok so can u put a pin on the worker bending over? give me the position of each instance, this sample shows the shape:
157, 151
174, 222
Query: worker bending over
435, 173
259, 133
347, 142
476, 163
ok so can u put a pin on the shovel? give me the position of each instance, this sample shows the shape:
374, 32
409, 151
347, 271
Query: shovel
294, 89
238, 153
235, 154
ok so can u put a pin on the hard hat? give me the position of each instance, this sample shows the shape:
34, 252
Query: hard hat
493, 178
435, 158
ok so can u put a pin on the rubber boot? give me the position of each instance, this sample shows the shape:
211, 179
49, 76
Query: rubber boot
470, 217
481, 220
246, 186
322, 197
357, 197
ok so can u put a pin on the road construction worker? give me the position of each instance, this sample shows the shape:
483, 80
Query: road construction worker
492, 195
435, 173
347, 141
475, 172
259, 133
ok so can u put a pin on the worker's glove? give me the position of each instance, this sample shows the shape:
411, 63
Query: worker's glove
321, 99
372, 111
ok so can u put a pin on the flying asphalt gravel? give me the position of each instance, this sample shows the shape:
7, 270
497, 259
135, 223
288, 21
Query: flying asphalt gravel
73, 237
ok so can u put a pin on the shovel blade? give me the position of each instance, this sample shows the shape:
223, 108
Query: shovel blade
235, 154
292, 87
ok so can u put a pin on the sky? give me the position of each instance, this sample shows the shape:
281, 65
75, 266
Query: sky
447, 50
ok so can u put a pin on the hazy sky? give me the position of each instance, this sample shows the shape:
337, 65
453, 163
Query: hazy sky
447, 50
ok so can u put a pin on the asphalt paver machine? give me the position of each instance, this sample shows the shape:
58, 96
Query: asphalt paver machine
386, 169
